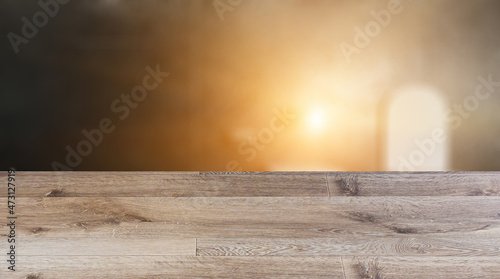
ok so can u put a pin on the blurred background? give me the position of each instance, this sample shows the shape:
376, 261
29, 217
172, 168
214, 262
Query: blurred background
252, 85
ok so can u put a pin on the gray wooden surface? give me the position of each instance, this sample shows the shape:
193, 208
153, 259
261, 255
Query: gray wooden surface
255, 225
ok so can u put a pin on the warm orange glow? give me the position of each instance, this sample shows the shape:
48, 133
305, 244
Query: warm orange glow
316, 119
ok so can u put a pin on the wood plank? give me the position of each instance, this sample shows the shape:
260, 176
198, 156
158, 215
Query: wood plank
259, 217
132, 246
148, 267
168, 184
372, 246
255, 225
414, 184
248, 184
421, 267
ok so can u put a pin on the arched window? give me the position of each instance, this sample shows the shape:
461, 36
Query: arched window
416, 134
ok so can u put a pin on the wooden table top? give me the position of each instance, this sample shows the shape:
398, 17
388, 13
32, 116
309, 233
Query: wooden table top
254, 225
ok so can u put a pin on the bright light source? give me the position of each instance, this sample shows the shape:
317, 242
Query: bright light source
316, 119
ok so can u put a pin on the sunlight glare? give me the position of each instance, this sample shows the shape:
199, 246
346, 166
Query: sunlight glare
316, 120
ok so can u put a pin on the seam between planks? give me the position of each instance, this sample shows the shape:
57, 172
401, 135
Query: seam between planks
343, 269
327, 185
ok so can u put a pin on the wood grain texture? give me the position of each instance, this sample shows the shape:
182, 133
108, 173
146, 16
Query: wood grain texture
421, 267
259, 217
250, 184
414, 184
167, 267
255, 225
169, 184
44, 246
366, 246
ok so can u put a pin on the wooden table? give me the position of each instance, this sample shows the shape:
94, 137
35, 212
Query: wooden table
254, 225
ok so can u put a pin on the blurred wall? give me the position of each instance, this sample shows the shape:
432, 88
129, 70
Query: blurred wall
235, 68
